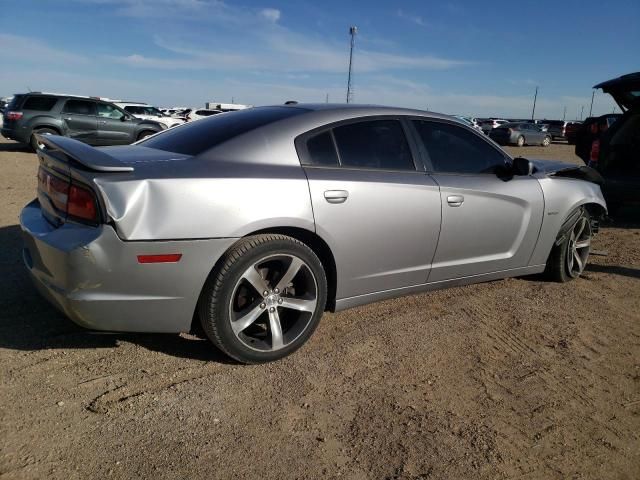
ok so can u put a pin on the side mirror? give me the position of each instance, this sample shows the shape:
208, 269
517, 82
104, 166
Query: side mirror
522, 167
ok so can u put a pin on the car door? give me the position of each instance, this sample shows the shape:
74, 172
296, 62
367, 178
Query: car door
115, 127
535, 134
379, 214
489, 223
80, 120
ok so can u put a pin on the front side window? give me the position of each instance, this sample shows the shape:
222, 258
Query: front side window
453, 149
377, 144
80, 107
108, 111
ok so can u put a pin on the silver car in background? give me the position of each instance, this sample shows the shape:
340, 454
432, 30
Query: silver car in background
253, 224
520, 134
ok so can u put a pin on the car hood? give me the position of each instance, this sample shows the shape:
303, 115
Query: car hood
555, 168
625, 90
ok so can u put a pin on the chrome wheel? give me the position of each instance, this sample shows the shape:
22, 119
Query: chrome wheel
546, 142
520, 141
273, 302
578, 247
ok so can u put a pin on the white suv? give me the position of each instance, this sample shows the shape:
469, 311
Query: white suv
147, 112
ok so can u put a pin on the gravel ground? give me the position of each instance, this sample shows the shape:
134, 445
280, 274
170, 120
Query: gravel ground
518, 378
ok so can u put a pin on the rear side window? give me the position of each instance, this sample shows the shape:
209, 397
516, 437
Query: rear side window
379, 144
197, 137
41, 104
80, 107
453, 149
321, 150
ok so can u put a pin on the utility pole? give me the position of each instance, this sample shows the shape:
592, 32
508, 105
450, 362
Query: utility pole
535, 97
581, 111
564, 114
593, 94
326, 100
352, 31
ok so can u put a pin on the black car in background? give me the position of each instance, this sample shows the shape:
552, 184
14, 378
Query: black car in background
90, 120
617, 151
590, 131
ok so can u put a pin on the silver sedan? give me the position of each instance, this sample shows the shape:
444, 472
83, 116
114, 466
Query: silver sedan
248, 226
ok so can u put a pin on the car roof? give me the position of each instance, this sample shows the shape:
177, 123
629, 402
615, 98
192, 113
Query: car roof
356, 109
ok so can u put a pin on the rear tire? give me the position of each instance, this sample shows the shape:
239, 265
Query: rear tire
264, 299
145, 134
568, 259
34, 142
546, 141
520, 141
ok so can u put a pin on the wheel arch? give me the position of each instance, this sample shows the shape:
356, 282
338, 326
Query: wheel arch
309, 238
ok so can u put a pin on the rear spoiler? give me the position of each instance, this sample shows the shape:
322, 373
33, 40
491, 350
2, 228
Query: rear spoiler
84, 154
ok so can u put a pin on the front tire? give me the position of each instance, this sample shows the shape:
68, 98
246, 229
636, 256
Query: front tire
568, 259
520, 141
145, 134
264, 299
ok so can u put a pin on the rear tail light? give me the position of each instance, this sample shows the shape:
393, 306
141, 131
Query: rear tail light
68, 197
14, 115
595, 151
82, 204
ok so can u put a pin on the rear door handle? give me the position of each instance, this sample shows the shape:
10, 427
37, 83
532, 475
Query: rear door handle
455, 200
336, 196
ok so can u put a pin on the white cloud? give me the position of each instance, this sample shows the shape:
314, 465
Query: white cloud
417, 19
15, 47
271, 14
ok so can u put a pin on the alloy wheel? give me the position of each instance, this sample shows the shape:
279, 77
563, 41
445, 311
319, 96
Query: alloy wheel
578, 247
273, 302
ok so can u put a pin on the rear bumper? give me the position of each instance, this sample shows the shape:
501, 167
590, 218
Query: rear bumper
12, 134
93, 276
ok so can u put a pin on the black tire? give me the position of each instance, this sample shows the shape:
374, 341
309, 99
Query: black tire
220, 294
558, 266
520, 141
34, 143
145, 134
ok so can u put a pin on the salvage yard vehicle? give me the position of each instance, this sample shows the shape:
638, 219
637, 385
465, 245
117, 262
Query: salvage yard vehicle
253, 224
520, 134
148, 112
88, 119
616, 151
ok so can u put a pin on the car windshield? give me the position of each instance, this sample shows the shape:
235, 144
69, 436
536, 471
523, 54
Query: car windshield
197, 137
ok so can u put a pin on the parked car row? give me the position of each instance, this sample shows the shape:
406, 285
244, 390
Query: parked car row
89, 119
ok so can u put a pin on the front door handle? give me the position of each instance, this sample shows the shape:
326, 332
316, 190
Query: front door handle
455, 200
336, 196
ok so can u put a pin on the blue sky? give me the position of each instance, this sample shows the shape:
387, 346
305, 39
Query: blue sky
472, 58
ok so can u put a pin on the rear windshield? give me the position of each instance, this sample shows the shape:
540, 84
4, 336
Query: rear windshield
201, 135
15, 102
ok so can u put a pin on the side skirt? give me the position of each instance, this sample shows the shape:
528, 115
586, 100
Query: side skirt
350, 302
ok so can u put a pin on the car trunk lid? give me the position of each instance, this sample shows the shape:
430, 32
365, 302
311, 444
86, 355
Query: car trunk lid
625, 90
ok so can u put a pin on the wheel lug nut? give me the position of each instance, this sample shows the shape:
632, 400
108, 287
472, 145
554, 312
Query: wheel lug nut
262, 305
272, 309
279, 300
276, 291
265, 293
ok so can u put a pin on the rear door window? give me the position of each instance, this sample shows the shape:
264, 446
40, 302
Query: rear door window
454, 149
39, 103
80, 107
322, 152
376, 144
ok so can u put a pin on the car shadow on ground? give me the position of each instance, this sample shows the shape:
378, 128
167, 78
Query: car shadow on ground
15, 147
29, 323
614, 269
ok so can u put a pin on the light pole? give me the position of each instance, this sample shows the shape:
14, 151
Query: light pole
535, 97
593, 94
352, 31
564, 114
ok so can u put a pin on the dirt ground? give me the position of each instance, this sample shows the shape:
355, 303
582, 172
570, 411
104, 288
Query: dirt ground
518, 378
